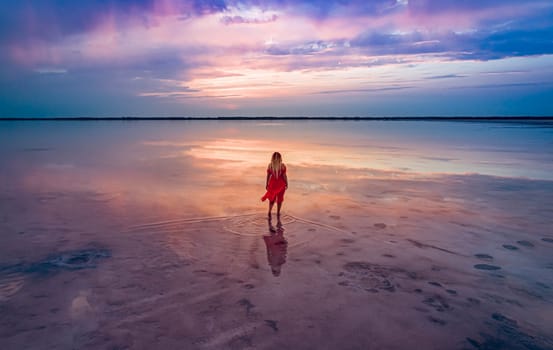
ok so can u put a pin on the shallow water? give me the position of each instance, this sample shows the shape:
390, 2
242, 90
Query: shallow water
509, 149
152, 235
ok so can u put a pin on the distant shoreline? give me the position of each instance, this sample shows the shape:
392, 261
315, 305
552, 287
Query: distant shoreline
518, 119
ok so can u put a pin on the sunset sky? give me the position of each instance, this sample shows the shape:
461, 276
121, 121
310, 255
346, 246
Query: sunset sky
276, 58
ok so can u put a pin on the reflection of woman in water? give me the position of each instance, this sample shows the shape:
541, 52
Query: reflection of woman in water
276, 247
276, 183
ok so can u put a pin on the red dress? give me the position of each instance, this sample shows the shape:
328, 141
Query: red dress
276, 186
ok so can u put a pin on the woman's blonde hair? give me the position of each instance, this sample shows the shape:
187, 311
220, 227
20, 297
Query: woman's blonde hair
276, 164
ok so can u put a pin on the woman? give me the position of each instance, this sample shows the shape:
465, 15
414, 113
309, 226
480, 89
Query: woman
276, 183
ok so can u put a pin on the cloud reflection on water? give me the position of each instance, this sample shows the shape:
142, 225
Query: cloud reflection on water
178, 205
413, 161
212, 168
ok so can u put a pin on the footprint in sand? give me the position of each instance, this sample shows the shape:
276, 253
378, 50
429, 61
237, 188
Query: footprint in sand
484, 256
436, 284
510, 247
438, 303
273, 324
547, 239
525, 244
437, 321
380, 225
421, 309
486, 267
246, 303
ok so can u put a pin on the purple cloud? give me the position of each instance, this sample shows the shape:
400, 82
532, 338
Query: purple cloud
365, 90
446, 76
244, 20
181, 48
518, 39
440, 6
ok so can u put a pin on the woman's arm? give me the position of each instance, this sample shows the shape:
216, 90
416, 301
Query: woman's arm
267, 181
285, 177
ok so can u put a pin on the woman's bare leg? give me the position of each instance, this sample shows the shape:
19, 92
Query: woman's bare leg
270, 208
279, 205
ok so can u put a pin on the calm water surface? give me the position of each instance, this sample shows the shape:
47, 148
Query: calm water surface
152, 235
499, 149
217, 167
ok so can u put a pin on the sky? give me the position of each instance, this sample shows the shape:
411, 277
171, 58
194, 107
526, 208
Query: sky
276, 58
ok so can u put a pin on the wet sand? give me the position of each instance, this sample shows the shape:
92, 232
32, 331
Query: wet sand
152, 256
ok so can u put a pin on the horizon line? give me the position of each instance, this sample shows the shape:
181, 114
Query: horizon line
427, 118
